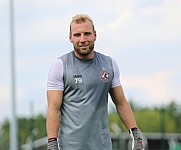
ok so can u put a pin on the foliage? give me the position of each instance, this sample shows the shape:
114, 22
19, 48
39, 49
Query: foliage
4, 135
163, 119
28, 128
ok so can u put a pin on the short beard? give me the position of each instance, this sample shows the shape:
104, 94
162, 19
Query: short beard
84, 53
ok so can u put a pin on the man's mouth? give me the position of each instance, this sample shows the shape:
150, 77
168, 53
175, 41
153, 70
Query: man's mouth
83, 45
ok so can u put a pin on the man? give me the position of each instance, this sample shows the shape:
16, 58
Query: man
78, 87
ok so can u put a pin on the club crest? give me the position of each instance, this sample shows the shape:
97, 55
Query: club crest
104, 75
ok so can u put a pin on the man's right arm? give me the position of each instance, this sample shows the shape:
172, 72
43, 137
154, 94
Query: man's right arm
55, 87
54, 98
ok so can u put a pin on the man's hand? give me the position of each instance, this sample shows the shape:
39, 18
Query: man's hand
53, 144
137, 143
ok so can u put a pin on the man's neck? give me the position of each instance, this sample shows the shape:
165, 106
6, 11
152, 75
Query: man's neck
89, 56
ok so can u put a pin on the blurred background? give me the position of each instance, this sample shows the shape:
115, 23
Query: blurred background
143, 36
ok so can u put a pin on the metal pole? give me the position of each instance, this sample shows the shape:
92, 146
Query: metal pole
13, 124
162, 125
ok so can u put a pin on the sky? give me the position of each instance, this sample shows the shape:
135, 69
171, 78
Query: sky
143, 36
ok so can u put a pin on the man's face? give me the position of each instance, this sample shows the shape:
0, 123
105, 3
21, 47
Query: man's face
82, 37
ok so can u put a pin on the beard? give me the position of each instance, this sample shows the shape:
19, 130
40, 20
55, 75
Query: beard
84, 52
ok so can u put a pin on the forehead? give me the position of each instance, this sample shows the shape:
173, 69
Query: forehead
81, 27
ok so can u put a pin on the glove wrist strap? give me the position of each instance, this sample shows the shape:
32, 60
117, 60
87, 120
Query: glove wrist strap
52, 139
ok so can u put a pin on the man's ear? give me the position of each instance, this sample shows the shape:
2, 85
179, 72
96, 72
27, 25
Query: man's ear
70, 38
95, 35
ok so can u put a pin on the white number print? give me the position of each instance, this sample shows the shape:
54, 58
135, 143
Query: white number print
78, 80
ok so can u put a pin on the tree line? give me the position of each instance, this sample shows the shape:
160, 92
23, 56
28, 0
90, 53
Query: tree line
153, 120
158, 119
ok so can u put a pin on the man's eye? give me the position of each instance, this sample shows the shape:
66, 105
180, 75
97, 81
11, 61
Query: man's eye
76, 35
87, 33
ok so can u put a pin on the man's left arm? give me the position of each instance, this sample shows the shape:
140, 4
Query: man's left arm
126, 115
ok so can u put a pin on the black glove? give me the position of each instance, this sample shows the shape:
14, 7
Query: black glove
53, 144
137, 143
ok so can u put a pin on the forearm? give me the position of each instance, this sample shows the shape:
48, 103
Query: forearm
126, 115
53, 115
53, 123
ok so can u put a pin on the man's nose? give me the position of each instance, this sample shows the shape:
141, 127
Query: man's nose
82, 38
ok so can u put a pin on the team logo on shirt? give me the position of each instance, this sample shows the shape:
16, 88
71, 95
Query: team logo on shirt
104, 75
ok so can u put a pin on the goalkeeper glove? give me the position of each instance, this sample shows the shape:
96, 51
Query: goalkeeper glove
137, 143
52, 144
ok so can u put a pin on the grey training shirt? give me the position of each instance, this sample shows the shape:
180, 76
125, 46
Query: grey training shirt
84, 111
